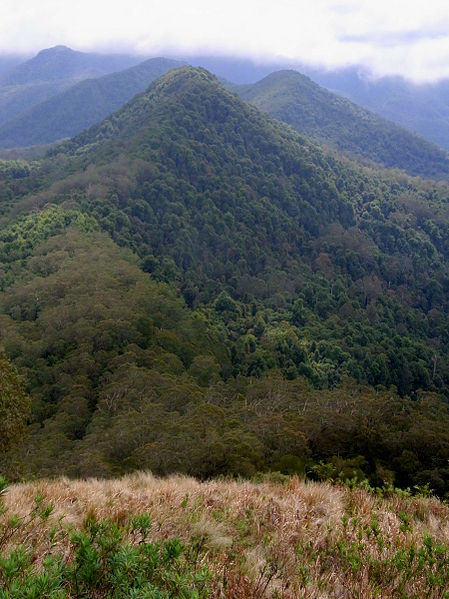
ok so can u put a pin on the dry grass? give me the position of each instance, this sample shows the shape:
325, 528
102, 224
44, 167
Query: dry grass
265, 540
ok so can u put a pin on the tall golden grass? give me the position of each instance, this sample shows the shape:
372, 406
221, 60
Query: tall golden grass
299, 539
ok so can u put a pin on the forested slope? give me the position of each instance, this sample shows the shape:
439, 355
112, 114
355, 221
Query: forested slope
82, 105
422, 107
337, 122
50, 72
305, 279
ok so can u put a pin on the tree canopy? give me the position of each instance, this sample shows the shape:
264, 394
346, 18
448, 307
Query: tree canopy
14, 405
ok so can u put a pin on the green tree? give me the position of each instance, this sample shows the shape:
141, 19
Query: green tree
14, 405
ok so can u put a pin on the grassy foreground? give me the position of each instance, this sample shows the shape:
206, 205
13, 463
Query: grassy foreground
144, 537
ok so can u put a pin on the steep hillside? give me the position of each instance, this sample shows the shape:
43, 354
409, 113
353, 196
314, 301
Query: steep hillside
82, 105
49, 73
423, 107
298, 271
216, 197
337, 122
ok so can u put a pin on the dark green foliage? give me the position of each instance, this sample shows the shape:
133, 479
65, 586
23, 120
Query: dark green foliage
297, 271
204, 173
14, 405
90, 330
340, 124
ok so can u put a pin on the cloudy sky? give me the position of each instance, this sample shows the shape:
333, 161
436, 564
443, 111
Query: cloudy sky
408, 37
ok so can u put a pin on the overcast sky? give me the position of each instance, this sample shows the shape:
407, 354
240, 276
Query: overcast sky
408, 37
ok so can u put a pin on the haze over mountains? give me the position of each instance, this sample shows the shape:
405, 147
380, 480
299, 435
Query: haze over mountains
67, 113
338, 123
422, 108
9, 61
287, 95
49, 73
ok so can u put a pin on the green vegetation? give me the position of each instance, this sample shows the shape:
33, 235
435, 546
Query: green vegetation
214, 197
340, 124
49, 73
108, 560
193, 287
14, 405
155, 539
67, 113
421, 107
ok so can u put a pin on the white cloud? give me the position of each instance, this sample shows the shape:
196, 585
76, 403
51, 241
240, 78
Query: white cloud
395, 36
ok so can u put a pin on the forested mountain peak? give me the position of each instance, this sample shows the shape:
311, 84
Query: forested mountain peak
192, 105
293, 269
61, 62
338, 123
178, 86
284, 75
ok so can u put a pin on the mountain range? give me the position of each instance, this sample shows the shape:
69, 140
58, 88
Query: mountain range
192, 268
421, 108
242, 279
50, 72
287, 95
336, 122
82, 105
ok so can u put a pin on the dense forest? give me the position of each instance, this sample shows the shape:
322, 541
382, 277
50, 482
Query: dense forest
192, 286
336, 122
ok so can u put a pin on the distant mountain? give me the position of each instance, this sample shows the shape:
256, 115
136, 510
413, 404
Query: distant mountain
337, 122
9, 61
60, 63
423, 108
82, 105
49, 73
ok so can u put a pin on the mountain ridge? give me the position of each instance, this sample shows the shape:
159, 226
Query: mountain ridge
80, 106
419, 107
287, 95
192, 268
335, 121
50, 72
